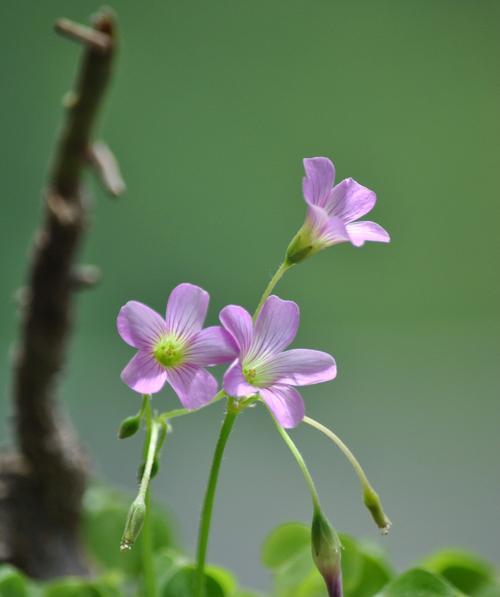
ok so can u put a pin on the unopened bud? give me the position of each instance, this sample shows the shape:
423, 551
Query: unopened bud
326, 550
129, 426
133, 526
374, 505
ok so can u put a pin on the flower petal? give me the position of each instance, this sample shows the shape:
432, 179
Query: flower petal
143, 374
235, 383
349, 200
285, 403
139, 325
211, 346
318, 181
275, 328
186, 310
327, 229
300, 367
359, 232
194, 386
238, 322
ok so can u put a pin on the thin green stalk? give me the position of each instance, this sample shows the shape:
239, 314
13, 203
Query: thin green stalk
148, 551
270, 287
302, 464
180, 412
358, 469
227, 425
152, 437
208, 503
139, 516
370, 496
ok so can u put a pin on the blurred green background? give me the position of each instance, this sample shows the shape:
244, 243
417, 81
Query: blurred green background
212, 109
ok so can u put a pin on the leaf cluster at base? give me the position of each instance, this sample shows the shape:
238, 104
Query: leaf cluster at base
286, 553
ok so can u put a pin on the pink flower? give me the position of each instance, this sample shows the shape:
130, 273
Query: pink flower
175, 349
333, 212
263, 367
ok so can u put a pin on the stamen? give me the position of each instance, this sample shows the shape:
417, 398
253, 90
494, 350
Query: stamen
169, 351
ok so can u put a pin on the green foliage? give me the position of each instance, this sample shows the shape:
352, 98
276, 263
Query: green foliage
14, 584
286, 553
419, 583
75, 587
467, 572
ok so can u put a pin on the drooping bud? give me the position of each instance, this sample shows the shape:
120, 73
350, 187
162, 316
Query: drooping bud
133, 526
129, 426
326, 549
374, 505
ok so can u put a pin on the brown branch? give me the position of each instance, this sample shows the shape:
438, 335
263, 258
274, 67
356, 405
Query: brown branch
42, 487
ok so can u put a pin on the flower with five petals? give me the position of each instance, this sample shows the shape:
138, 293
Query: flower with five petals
264, 367
175, 349
333, 212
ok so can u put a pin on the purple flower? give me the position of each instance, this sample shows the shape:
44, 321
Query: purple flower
175, 349
264, 368
333, 212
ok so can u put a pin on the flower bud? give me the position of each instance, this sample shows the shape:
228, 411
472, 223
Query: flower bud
133, 526
374, 505
129, 426
326, 549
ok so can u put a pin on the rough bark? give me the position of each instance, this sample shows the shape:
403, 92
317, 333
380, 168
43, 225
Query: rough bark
42, 484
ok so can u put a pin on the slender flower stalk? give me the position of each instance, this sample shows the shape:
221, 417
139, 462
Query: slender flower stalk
138, 508
208, 504
370, 496
180, 412
325, 543
149, 573
227, 426
278, 274
301, 462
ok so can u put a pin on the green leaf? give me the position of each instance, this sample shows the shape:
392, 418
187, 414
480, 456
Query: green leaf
14, 584
419, 583
284, 543
286, 551
352, 563
77, 587
467, 572
490, 591
180, 584
375, 574
364, 573
105, 513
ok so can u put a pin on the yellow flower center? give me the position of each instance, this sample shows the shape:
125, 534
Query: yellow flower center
169, 351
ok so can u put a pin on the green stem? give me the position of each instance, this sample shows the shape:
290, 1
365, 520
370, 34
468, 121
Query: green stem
206, 513
302, 464
152, 429
180, 412
148, 551
358, 469
370, 496
270, 287
151, 445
